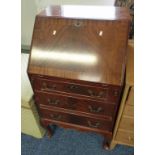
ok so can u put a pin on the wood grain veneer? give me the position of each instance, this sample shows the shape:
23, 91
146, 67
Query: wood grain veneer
89, 58
103, 109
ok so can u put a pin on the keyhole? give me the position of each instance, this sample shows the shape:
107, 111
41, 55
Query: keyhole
77, 24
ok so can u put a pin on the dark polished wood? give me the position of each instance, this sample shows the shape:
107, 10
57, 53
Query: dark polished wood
90, 122
105, 133
85, 52
106, 92
77, 66
51, 100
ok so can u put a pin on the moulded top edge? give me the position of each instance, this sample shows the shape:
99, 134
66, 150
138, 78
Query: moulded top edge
86, 12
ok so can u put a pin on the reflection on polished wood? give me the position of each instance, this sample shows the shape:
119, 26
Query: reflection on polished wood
65, 57
86, 12
89, 50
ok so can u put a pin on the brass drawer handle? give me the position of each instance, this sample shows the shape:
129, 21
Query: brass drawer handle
45, 87
56, 116
53, 101
96, 125
95, 109
73, 87
101, 94
93, 94
130, 138
90, 92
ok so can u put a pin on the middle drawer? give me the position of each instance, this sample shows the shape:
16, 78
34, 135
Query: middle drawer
74, 103
106, 92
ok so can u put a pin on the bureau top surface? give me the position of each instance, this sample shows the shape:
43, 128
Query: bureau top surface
86, 12
80, 49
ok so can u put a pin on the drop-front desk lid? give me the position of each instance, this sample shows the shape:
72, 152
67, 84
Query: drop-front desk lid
80, 42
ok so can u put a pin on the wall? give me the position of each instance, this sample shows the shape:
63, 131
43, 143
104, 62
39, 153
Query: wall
29, 8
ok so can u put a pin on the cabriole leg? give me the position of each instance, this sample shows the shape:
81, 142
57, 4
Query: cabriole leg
106, 144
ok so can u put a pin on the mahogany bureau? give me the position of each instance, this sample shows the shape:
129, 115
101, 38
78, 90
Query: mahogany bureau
77, 66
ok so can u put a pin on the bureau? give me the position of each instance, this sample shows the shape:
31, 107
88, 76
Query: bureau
77, 66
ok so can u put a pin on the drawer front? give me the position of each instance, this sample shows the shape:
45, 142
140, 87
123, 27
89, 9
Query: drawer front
73, 103
78, 120
128, 110
107, 93
125, 137
127, 123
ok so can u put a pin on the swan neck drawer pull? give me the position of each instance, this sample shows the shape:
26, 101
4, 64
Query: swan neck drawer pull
95, 125
45, 87
99, 95
53, 102
95, 109
56, 116
73, 87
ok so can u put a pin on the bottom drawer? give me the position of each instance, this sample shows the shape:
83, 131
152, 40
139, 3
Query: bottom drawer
125, 137
128, 110
75, 119
127, 123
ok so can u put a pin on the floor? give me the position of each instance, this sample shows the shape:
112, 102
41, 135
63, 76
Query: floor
69, 142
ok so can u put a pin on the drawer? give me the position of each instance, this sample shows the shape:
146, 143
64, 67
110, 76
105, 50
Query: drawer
125, 137
130, 98
74, 103
75, 119
108, 93
128, 110
127, 123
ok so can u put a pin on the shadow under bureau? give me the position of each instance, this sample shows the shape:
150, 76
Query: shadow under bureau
77, 66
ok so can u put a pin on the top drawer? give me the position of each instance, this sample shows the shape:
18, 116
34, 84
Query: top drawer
108, 93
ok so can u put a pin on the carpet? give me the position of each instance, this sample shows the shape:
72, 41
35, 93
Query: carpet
69, 142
